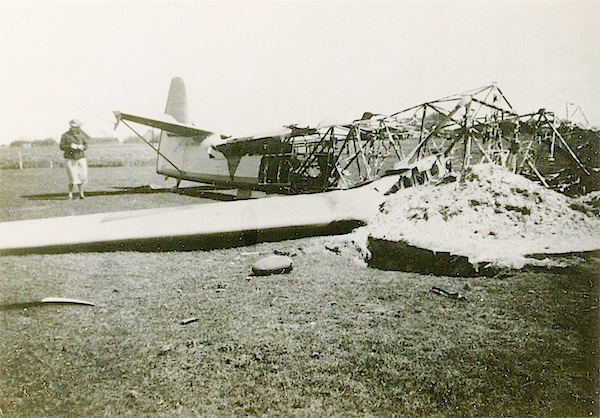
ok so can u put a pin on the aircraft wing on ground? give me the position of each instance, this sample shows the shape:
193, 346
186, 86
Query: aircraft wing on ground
171, 126
200, 226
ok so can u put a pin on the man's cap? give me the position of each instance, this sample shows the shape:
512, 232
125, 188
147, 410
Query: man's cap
75, 123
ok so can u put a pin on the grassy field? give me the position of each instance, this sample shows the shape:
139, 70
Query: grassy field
331, 338
97, 155
42, 193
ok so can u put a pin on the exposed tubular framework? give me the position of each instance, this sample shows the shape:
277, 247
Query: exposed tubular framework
330, 157
481, 126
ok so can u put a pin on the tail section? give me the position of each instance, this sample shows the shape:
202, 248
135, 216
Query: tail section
177, 101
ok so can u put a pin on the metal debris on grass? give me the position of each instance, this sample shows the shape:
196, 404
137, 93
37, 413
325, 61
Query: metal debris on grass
447, 294
67, 301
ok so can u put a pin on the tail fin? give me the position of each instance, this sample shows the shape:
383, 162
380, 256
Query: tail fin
177, 101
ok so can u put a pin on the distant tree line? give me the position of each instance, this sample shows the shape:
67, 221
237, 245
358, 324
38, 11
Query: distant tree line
51, 142
22, 143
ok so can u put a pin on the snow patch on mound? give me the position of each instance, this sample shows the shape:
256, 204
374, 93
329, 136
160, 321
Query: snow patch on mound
490, 215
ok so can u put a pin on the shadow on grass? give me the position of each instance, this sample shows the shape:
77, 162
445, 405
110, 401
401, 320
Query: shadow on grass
19, 306
207, 192
400, 256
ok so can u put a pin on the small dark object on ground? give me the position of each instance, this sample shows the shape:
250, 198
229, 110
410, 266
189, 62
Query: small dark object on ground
448, 294
275, 264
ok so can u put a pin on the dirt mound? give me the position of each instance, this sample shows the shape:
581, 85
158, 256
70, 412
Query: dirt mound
489, 216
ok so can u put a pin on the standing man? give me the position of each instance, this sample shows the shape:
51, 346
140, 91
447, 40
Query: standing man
74, 143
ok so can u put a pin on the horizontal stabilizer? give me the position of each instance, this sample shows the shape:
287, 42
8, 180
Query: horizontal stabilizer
181, 129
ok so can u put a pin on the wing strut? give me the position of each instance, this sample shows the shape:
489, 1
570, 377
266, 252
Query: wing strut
152, 146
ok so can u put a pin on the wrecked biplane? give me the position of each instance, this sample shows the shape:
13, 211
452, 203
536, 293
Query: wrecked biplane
364, 160
292, 160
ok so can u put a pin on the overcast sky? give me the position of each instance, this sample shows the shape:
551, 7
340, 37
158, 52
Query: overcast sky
256, 66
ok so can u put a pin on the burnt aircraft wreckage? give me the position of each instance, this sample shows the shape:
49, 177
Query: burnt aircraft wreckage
420, 143
333, 177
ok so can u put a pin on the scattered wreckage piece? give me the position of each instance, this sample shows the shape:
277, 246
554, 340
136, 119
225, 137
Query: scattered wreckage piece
450, 295
67, 301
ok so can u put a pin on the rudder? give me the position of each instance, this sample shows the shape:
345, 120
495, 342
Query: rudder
177, 101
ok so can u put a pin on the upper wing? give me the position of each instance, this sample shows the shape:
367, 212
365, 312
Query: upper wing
264, 143
169, 126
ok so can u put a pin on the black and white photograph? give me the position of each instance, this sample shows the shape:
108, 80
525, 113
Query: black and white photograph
352, 208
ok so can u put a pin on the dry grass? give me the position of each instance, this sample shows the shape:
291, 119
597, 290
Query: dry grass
331, 338
42, 193
97, 155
